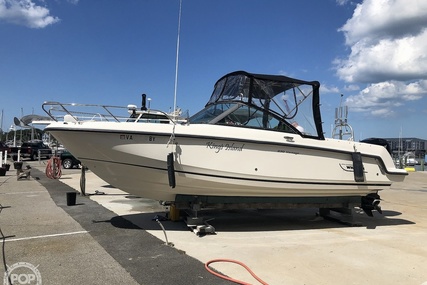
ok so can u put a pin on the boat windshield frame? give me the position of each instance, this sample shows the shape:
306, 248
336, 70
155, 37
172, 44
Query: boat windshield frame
271, 102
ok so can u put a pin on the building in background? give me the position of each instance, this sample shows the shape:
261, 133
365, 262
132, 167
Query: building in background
408, 151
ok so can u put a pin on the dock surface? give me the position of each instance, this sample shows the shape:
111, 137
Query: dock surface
111, 237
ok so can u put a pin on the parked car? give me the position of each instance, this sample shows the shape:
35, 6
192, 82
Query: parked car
4, 147
31, 149
68, 160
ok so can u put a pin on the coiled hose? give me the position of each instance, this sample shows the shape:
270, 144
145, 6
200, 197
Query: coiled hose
53, 168
231, 279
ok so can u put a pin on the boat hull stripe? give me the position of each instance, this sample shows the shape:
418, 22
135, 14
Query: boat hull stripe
228, 139
240, 178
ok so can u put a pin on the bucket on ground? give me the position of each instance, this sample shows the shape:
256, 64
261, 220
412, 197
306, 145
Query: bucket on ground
18, 165
71, 198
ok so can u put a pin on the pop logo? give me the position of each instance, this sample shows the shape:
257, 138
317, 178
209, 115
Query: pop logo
22, 273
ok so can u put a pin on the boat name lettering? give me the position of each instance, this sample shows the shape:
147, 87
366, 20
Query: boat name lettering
126, 137
228, 147
286, 151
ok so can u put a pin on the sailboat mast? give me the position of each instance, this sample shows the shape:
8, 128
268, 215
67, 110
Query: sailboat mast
1, 120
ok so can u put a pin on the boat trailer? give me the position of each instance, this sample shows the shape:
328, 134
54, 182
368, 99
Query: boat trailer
338, 209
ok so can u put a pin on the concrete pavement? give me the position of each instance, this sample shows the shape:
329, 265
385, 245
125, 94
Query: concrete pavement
280, 246
297, 247
85, 243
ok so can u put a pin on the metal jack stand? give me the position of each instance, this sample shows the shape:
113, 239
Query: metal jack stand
197, 224
341, 215
20, 174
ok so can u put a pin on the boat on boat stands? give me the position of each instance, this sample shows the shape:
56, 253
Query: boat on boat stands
258, 142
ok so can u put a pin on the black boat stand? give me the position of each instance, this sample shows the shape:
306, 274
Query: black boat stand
343, 216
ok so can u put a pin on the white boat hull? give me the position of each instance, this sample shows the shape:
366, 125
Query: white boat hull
133, 157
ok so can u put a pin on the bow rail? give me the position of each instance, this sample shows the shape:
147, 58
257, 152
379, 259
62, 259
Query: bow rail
75, 112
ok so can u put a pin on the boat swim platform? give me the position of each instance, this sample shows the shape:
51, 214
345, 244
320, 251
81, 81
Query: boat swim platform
111, 237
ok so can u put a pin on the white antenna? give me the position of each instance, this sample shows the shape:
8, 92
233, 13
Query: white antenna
177, 58
341, 114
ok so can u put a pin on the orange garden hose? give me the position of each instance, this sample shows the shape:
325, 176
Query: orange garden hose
231, 279
53, 168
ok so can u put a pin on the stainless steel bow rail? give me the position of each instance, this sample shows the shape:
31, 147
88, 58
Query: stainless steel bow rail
75, 112
79, 112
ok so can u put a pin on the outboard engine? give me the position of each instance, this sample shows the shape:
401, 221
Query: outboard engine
378, 141
370, 203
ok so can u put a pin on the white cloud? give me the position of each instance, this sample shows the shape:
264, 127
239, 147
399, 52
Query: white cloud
342, 2
324, 88
387, 59
388, 41
388, 51
26, 13
351, 87
375, 19
381, 98
383, 112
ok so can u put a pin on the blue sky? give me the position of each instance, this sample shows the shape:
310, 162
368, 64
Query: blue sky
374, 52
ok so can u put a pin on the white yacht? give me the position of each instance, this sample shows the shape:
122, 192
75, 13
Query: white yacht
259, 140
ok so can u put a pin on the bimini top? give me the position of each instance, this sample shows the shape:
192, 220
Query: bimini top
273, 102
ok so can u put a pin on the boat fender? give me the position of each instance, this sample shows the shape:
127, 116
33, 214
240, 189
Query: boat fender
358, 167
171, 170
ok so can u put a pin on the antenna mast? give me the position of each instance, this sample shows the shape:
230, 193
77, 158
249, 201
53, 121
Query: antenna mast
341, 114
177, 59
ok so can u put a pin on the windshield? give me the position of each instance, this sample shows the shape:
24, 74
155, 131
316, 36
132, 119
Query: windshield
275, 103
234, 114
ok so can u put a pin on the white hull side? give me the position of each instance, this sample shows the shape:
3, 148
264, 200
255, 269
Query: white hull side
133, 158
